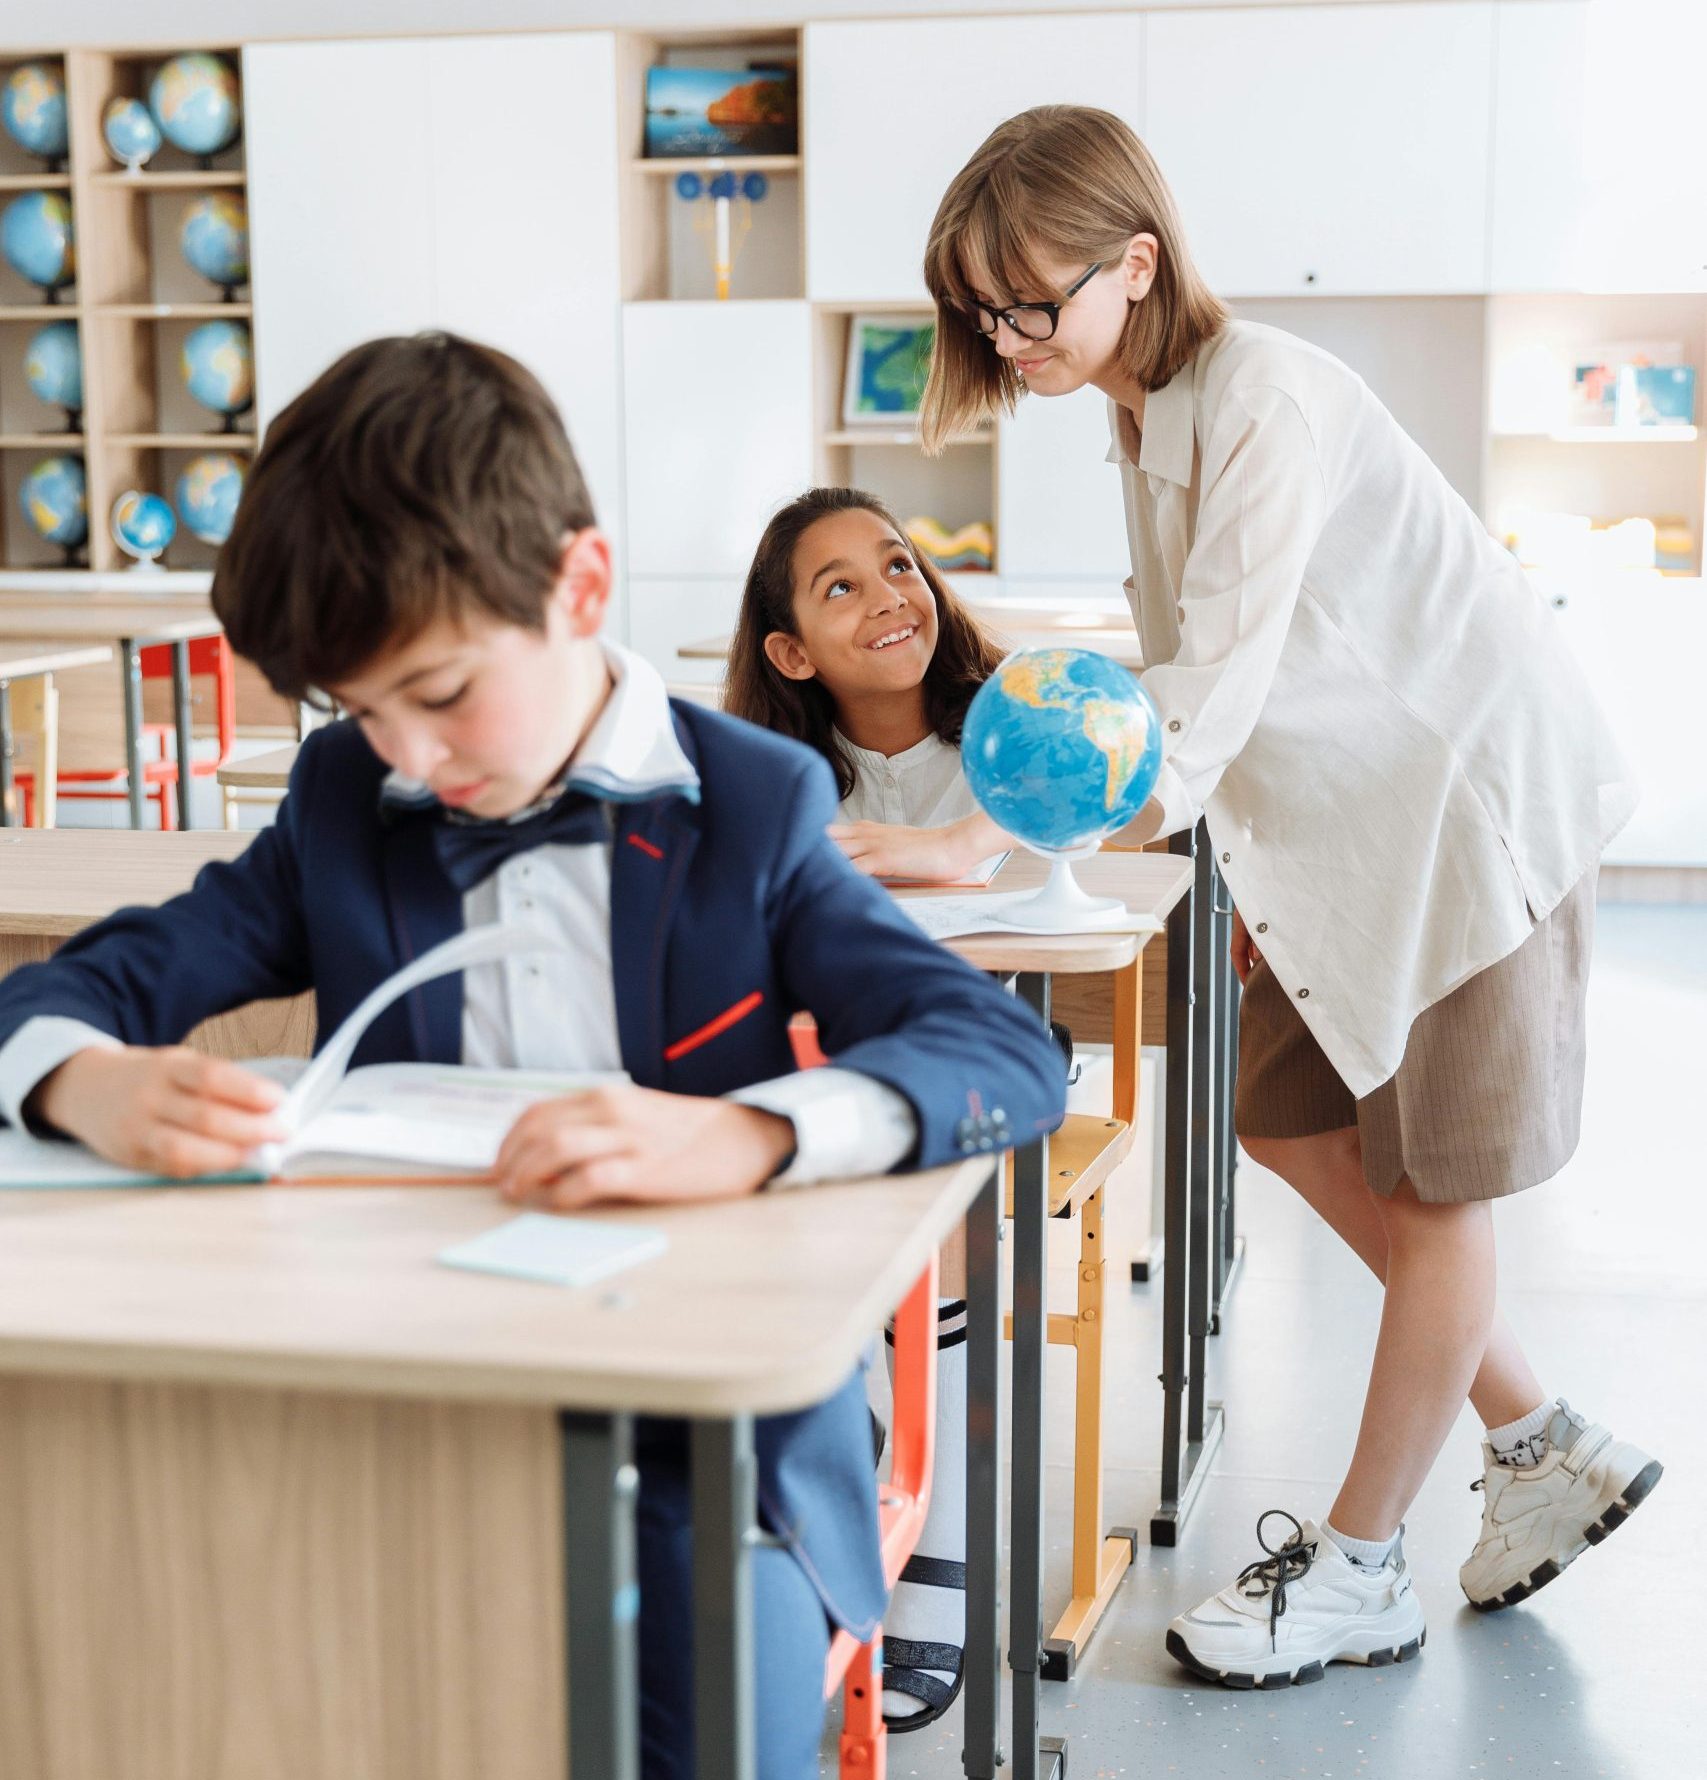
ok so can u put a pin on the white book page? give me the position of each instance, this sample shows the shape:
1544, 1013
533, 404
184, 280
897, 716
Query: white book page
444, 1117
954, 917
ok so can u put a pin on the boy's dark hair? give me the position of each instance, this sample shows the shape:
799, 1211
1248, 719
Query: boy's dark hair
417, 478
966, 655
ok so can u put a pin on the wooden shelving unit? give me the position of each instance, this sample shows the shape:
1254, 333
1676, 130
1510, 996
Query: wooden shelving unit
133, 302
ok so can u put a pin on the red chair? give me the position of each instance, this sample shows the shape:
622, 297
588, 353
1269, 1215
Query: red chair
902, 1503
210, 657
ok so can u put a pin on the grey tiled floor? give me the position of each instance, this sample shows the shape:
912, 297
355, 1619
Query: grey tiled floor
1605, 1279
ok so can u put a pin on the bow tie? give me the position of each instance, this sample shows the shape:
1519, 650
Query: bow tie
471, 851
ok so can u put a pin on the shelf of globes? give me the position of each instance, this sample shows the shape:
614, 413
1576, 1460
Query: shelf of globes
35, 182
185, 441
192, 179
173, 311
41, 441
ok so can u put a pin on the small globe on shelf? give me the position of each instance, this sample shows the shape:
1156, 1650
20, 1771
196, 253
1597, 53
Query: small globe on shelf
1062, 748
32, 109
38, 242
130, 133
55, 500
142, 526
214, 239
207, 493
53, 368
219, 368
195, 101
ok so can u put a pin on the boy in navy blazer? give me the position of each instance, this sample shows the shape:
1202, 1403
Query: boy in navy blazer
416, 543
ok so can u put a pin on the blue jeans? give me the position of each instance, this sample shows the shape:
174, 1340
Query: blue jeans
791, 1639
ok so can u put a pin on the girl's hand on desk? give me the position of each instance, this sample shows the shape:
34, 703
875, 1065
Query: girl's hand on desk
927, 855
1245, 955
639, 1146
173, 1112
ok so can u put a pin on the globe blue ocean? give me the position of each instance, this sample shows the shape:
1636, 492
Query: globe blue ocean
215, 238
195, 101
132, 136
53, 366
32, 108
36, 238
143, 524
218, 366
207, 493
1061, 747
55, 500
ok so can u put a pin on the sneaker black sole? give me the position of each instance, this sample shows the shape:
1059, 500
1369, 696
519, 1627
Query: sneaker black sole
1640, 1487
1180, 1651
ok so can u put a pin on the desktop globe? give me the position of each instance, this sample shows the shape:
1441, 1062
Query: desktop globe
1062, 748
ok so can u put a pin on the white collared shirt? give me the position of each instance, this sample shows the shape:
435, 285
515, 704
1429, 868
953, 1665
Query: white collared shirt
1402, 766
921, 787
513, 1010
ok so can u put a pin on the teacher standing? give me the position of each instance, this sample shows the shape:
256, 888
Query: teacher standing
1408, 786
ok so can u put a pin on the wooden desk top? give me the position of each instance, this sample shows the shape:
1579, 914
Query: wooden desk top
19, 661
106, 620
759, 1305
57, 881
260, 772
1148, 883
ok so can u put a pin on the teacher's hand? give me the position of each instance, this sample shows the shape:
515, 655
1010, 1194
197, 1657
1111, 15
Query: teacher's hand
1245, 955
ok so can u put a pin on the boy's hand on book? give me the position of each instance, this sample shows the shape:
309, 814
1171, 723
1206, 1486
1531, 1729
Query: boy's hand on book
640, 1146
929, 855
172, 1112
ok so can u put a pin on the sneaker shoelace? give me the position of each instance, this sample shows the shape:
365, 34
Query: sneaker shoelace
1286, 1563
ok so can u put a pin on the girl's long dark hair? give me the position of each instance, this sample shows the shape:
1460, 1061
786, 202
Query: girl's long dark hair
966, 655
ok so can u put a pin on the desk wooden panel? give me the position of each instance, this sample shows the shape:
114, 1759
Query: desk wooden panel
54, 883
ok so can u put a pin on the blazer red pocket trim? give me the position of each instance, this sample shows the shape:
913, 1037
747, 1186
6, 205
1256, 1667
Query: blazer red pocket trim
714, 1028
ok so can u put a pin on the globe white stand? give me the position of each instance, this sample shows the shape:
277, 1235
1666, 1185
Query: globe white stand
1063, 905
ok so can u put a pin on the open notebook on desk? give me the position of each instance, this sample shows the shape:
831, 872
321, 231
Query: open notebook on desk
393, 1121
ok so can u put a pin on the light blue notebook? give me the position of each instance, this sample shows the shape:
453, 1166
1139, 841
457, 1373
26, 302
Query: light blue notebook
556, 1251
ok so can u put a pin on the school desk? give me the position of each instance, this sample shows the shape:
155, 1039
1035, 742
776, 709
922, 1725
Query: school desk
127, 624
279, 1495
1058, 1176
34, 661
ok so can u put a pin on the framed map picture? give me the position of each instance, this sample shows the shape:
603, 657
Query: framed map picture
888, 359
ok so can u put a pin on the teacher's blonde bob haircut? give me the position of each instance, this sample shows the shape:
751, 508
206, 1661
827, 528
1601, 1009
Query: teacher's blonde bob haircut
1068, 185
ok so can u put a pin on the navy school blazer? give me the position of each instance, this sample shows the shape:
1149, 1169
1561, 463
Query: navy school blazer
737, 904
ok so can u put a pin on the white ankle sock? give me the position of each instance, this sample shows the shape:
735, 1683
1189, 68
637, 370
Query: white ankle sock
921, 1612
1367, 1554
1524, 1443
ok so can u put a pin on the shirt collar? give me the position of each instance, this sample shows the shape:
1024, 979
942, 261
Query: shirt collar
922, 750
1166, 444
630, 755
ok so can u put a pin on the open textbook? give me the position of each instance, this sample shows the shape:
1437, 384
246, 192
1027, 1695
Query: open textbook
976, 879
398, 1121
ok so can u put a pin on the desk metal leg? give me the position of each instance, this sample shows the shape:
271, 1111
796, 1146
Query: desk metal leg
982, 1690
1229, 1245
130, 676
6, 820
181, 720
1191, 1430
1035, 1758
599, 1489
725, 1497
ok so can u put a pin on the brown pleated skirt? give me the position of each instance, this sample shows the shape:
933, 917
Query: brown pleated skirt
1487, 1099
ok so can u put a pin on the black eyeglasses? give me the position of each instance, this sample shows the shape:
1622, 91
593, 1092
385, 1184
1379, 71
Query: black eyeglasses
1037, 321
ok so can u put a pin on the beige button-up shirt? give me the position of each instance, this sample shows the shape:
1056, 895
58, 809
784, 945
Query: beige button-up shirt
1402, 766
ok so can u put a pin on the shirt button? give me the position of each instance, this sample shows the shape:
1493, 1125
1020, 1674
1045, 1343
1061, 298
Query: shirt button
1303, 994
1262, 927
1174, 725
1226, 858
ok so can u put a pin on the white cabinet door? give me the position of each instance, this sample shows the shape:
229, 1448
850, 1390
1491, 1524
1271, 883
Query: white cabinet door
1327, 149
525, 223
1642, 646
719, 434
1062, 514
340, 219
663, 615
892, 110
1600, 169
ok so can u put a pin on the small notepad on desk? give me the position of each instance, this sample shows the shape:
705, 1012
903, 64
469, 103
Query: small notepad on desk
556, 1251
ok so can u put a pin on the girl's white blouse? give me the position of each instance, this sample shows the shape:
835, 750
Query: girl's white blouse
1402, 765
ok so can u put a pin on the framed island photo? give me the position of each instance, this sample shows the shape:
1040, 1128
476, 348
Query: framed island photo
695, 113
889, 357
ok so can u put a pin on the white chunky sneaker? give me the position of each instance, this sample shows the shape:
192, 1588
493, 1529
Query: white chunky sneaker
1303, 1606
1538, 1519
